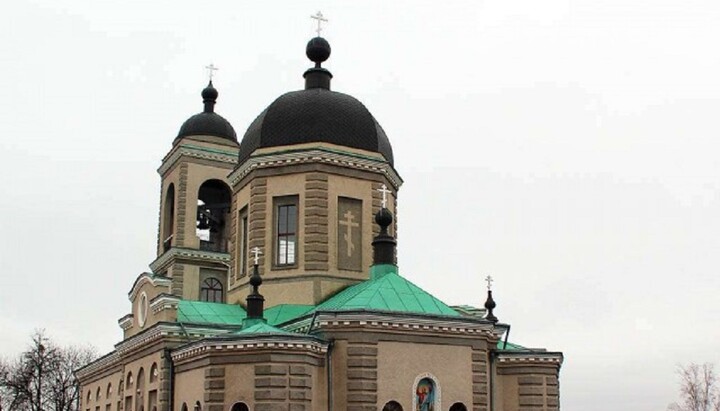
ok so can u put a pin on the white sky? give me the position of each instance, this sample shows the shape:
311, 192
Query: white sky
567, 148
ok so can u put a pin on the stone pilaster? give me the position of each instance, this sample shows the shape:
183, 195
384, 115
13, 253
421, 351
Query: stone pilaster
538, 393
362, 377
316, 222
181, 209
282, 387
480, 380
177, 274
164, 388
257, 219
214, 389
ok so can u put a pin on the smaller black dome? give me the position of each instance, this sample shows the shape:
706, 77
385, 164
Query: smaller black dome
318, 50
208, 123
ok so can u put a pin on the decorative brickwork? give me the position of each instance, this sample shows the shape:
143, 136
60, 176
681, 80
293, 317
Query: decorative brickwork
177, 274
282, 387
316, 222
182, 212
257, 218
214, 389
232, 240
362, 377
480, 380
164, 388
538, 393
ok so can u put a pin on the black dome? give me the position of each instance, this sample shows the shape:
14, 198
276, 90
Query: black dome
316, 115
208, 123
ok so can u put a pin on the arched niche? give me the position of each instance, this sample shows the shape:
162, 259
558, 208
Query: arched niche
426, 393
212, 217
168, 224
184, 407
239, 406
108, 393
153, 373
392, 406
198, 406
140, 390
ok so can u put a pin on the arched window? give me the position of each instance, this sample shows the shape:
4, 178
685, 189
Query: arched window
153, 373
140, 390
184, 407
211, 291
98, 394
197, 407
213, 208
239, 406
108, 395
129, 381
392, 406
169, 218
458, 406
89, 397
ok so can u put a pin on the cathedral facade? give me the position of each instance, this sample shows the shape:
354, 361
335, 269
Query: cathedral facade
276, 287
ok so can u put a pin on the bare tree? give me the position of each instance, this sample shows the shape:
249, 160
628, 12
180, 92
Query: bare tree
41, 378
699, 389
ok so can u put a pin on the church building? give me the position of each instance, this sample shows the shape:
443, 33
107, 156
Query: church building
276, 286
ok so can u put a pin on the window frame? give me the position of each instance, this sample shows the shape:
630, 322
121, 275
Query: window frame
278, 202
210, 288
243, 242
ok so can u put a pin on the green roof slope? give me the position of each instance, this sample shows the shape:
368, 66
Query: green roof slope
260, 327
202, 312
281, 313
387, 291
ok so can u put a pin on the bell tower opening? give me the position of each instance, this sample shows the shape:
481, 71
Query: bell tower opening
212, 220
168, 226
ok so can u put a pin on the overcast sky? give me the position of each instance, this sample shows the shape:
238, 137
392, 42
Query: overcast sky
568, 148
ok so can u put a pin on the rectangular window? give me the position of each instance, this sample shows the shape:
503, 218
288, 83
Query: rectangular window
243, 242
286, 211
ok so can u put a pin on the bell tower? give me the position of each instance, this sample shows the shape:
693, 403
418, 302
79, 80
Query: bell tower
195, 202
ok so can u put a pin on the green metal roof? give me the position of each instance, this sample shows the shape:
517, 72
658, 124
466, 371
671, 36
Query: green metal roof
387, 291
259, 326
510, 346
202, 312
281, 313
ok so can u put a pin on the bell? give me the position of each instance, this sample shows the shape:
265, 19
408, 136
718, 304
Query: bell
203, 223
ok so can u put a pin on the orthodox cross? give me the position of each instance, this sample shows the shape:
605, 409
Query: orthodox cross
211, 70
349, 223
320, 19
257, 253
489, 281
383, 189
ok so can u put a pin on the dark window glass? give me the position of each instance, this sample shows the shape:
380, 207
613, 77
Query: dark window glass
244, 245
286, 234
211, 291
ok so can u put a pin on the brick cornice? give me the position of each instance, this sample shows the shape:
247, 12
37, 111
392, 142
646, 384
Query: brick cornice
197, 152
166, 259
319, 155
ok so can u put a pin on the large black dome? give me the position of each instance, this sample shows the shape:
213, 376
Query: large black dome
208, 123
316, 115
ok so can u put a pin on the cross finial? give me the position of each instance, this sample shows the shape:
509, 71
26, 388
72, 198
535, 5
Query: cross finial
384, 190
489, 281
256, 251
320, 19
211, 70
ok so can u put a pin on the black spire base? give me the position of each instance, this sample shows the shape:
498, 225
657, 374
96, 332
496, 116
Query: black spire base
255, 301
490, 306
384, 244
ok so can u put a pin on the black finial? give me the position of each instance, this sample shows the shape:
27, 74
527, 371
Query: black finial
255, 301
318, 51
490, 306
209, 95
384, 244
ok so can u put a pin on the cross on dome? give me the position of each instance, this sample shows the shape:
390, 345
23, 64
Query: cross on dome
256, 251
384, 190
320, 19
211, 68
489, 281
